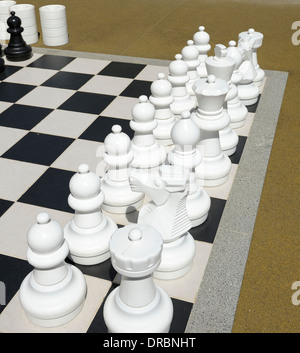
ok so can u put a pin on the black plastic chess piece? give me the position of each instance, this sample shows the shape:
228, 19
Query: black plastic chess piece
17, 49
2, 65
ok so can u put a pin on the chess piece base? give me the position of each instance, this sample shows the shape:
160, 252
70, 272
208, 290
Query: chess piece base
89, 246
155, 317
51, 306
248, 93
213, 171
198, 205
119, 198
228, 140
177, 258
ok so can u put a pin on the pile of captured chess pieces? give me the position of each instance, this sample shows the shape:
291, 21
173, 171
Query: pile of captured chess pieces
184, 134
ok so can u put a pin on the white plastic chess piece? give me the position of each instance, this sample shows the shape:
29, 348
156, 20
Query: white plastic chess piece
54, 292
236, 110
201, 40
148, 154
222, 67
186, 135
161, 98
248, 92
190, 54
89, 231
167, 213
118, 196
258, 80
137, 305
215, 166
178, 76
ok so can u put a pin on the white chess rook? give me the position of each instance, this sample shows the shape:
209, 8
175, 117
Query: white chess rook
215, 166
89, 231
186, 135
178, 76
161, 97
118, 196
54, 292
167, 213
137, 305
222, 67
236, 110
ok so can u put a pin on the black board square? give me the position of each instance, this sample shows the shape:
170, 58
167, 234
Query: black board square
121, 69
137, 88
51, 190
52, 62
23, 116
38, 148
12, 92
67, 80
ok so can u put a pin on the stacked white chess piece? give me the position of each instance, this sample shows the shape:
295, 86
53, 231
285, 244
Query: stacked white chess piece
183, 137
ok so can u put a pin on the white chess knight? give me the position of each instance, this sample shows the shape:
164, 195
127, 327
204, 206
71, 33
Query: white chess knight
54, 292
209, 117
148, 154
167, 213
258, 37
137, 305
178, 76
222, 67
248, 92
161, 97
89, 231
236, 109
186, 135
118, 196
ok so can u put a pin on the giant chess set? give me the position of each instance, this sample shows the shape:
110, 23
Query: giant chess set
184, 134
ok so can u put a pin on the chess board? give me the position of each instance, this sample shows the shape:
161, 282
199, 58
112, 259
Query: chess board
55, 112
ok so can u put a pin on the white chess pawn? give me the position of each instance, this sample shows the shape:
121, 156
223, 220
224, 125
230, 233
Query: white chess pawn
148, 154
54, 292
118, 196
222, 67
190, 54
201, 40
215, 166
236, 110
137, 305
178, 76
186, 135
167, 213
161, 97
89, 231
248, 92
258, 80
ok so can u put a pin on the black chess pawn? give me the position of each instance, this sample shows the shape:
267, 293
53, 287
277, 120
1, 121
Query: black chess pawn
17, 49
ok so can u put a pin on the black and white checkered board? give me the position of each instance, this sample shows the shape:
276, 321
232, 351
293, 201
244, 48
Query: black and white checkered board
55, 112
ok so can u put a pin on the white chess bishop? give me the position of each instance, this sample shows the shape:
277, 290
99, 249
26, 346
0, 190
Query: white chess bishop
137, 305
148, 154
258, 37
222, 67
118, 196
54, 292
186, 135
178, 76
89, 231
236, 110
167, 213
248, 92
161, 97
201, 40
190, 55
209, 117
